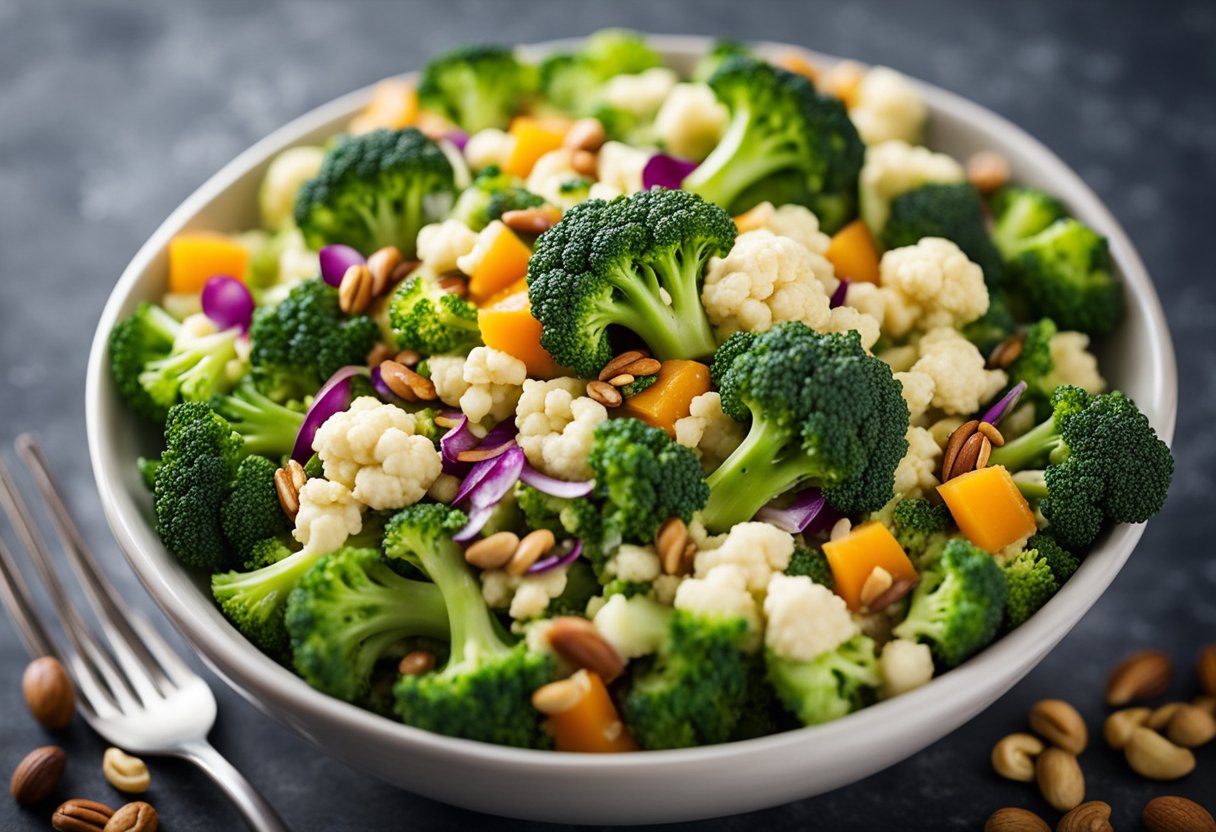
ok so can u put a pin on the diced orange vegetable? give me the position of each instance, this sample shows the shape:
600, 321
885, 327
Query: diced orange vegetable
794, 62
196, 256
534, 138
854, 556
668, 400
507, 324
988, 507
853, 254
394, 105
593, 724
505, 262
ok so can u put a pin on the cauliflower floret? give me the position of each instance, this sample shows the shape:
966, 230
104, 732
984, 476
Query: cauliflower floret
905, 665
914, 474
805, 619
691, 121
556, 423
848, 319
1074, 363
620, 166
193, 328
723, 593
756, 549
888, 107
286, 173
523, 596
441, 245
896, 167
900, 359
447, 374
624, 629
960, 382
917, 391
372, 450
328, 515
868, 299
708, 431
931, 284
636, 564
494, 378
444, 488
548, 174
796, 222
488, 147
764, 280
665, 587
641, 94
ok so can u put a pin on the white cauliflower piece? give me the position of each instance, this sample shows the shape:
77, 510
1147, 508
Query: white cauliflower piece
641, 94
691, 121
756, 549
917, 391
905, 665
931, 284
723, 593
194, 327
284, 176
900, 359
805, 619
914, 475
523, 596
488, 147
794, 221
1074, 363
441, 245
848, 319
556, 423
494, 379
665, 587
636, 564
548, 174
620, 166
896, 167
444, 488
709, 431
960, 381
888, 107
634, 626
764, 280
447, 374
371, 448
328, 515
868, 299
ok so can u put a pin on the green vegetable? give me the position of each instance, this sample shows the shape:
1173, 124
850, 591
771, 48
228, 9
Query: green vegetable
1022, 213
1062, 563
491, 195
571, 82
607, 264
266, 426
822, 412
144, 336
721, 49
638, 385
1104, 464
994, 326
922, 528
376, 189
812, 563
566, 519
953, 211
958, 605
829, 686
484, 691
430, 320
251, 512
256, 601
1031, 585
476, 87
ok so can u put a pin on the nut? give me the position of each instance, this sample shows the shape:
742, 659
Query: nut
38, 774
404, 269
577, 641
1091, 816
1205, 703
1153, 756
382, 264
1177, 814
954, 445
987, 171
562, 695
408, 358
1190, 727
536, 220
876, 585
585, 134
1206, 669
1141, 675
124, 772
453, 284
1059, 723
406, 383
288, 481
670, 543
534, 545
993, 433
133, 817
482, 454
416, 663
1006, 352
1012, 819
492, 552
380, 351
604, 393
1161, 717
1013, 757
617, 365
621, 380
80, 815
1060, 779
49, 693
1119, 725
642, 367
355, 290
584, 162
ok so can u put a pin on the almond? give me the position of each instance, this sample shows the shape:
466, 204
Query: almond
1176, 814
1091, 816
1012, 819
577, 641
1142, 675
1206, 669
1060, 779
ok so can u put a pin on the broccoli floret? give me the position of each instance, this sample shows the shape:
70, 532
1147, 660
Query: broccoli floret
643, 477
581, 586
430, 320
147, 471
201, 456
1035, 366
958, 605
144, 336
1031, 585
491, 194
763, 714
301, 342
692, 691
779, 124
1104, 464
823, 412
609, 264
476, 87
251, 512
1062, 562
571, 82
268, 551
376, 189
266, 426
953, 211
922, 528
577, 518
721, 49
1022, 212
994, 326
829, 686
812, 563
637, 386
345, 613
484, 691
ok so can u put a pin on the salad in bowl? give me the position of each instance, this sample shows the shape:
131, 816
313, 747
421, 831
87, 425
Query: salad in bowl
580, 405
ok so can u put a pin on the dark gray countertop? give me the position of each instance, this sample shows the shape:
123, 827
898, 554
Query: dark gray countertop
112, 112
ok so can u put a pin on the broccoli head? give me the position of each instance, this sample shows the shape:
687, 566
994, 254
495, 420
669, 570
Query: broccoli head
958, 605
301, 342
484, 691
251, 512
780, 125
823, 412
1104, 464
426, 318
571, 81
830, 685
812, 563
721, 49
1031, 585
952, 211
922, 528
568, 518
637, 263
376, 189
994, 326
1063, 563
1036, 367
476, 87
491, 194
346, 612
144, 336
266, 426
1020, 213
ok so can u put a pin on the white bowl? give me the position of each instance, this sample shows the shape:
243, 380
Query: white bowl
647, 787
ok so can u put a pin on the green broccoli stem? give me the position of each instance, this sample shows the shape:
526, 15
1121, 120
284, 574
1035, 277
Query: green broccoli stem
1032, 490
752, 476
475, 634
1031, 449
415, 608
729, 169
677, 331
267, 427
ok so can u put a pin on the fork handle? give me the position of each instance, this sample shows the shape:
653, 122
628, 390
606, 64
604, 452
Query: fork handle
259, 815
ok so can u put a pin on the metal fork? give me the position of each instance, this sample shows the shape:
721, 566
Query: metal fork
133, 689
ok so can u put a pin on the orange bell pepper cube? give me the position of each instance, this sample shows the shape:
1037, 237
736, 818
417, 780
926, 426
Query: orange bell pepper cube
669, 399
394, 105
507, 324
988, 507
534, 137
197, 256
504, 263
853, 254
854, 556
593, 724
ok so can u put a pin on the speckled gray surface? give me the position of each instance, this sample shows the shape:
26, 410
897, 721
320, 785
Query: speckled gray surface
112, 112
